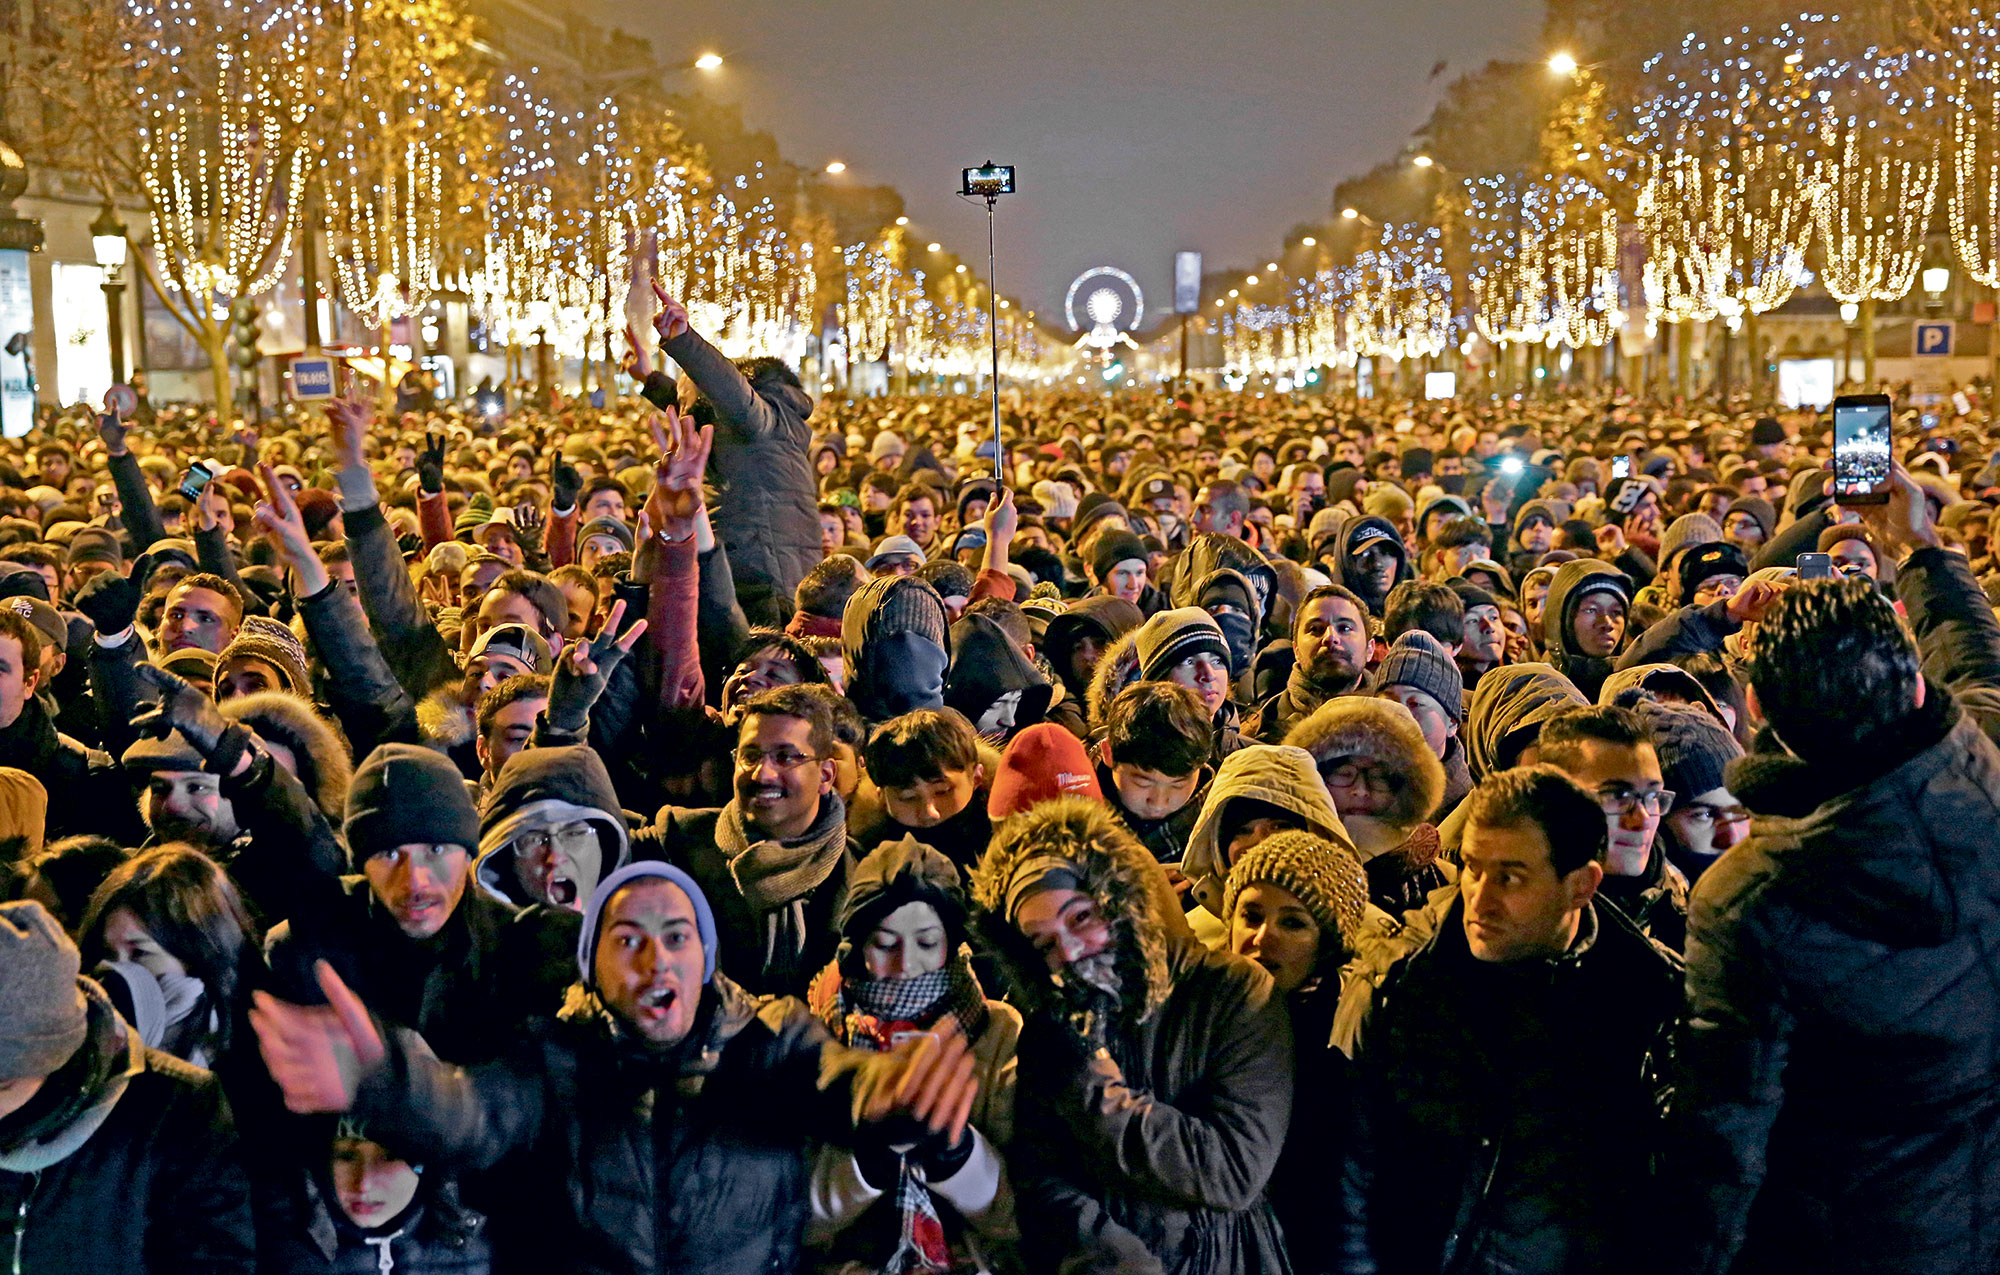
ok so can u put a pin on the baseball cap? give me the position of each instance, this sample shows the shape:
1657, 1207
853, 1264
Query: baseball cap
518, 642
894, 547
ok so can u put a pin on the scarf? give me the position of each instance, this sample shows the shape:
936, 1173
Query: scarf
776, 877
78, 1098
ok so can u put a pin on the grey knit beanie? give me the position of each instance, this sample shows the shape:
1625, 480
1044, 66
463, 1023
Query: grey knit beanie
1694, 749
1326, 878
1685, 532
1172, 636
1417, 659
42, 1015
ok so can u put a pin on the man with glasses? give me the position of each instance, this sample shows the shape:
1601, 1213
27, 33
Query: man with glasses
1705, 819
1609, 752
776, 859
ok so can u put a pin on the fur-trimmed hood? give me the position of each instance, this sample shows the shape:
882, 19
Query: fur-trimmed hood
444, 721
1282, 776
283, 718
1111, 867
1116, 669
1380, 731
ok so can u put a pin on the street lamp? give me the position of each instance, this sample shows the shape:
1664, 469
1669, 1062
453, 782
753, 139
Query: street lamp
1423, 161
836, 168
107, 244
708, 62
1563, 63
1850, 314
1937, 280
1349, 214
1308, 242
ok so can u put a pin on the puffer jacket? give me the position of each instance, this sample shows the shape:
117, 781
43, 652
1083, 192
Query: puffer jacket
1508, 1176
154, 1185
768, 516
1839, 1070
1394, 845
1153, 1156
1573, 580
437, 1236
614, 1158
1274, 773
88, 792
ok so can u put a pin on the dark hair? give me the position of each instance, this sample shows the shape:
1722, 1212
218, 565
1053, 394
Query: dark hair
603, 482
1226, 496
919, 746
1564, 734
1328, 591
1460, 531
570, 573
1428, 605
1832, 665
34, 554
190, 908
510, 691
826, 588
15, 625
541, 593
1008, 615
848, 728
214, 584
914, 490
760, 639
801, 702
1543, 797
65, 874
879, 481
1712, 672
1159, 726
951, 579
1040, 564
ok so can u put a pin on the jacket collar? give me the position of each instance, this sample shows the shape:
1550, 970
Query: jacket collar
1776, 783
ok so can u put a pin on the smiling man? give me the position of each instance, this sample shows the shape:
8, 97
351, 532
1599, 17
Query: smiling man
1562, 1012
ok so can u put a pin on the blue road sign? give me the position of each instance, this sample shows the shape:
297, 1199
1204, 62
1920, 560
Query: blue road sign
1932, 340
312, 378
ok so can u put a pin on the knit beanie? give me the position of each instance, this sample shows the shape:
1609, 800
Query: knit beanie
1703, 561
1767, 432
1112, 548
1056, 499
1042, 762
317, 507
1417, 659
406, 794
1172, 636
478, 509
95, 544
42, 1013
593, 913
1685, 532
259, 639
1324, 877
1693, 747
606, 525
887, 443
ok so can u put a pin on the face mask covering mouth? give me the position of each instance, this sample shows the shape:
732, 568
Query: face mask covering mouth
907, 673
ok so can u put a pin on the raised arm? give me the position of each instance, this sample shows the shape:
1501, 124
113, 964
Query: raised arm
135, 496
671, 526
737, 404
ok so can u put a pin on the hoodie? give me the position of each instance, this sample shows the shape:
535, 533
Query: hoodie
1103, 619
1572, 582
1337, 554
1275, 774
896, 639
985, 664
539, 789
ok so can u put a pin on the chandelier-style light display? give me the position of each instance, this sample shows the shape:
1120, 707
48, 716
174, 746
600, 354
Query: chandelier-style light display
1876, 179
1974, 145
1402, 295
225, 95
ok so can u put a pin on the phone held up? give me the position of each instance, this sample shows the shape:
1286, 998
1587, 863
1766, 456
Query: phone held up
1861, 449
1815, 566
196, 479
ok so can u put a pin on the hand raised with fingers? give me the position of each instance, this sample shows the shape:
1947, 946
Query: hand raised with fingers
1001, 519
430, 463
349, 420
182, 707
1748, 604
113, 430
529, 524
210, 508
278, 515
676, 496
1610, 539
642, 362
672, 319
585, 668
317, 1053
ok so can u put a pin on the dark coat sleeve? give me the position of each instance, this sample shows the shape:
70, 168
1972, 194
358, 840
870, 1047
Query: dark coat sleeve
1956, 630
292, 865
720, 625
373, 707
1802, 536
1688, 631
411, 644
201, 1203
739, 407
135, 500
211, 549
114, 687
465, 1118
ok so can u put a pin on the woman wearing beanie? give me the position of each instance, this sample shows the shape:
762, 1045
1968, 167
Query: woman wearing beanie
1295, 904
903, 967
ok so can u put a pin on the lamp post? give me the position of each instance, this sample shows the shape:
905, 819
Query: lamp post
107, 243
1849, 312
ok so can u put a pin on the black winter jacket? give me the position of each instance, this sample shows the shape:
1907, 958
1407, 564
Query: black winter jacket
157, 1188
435, 1236
1544, 1164
626, 1160
87, 790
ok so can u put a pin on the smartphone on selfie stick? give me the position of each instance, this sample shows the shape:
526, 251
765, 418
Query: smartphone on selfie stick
1861, 454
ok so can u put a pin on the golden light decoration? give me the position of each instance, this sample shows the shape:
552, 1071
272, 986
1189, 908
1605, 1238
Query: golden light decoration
1973, 206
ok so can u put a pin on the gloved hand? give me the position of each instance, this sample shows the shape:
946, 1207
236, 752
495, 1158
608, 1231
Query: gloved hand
430, 464
110, 601
182, 708
112, 430
584, 669
564, 486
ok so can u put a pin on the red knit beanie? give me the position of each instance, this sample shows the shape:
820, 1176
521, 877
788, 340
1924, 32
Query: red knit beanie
1042, 762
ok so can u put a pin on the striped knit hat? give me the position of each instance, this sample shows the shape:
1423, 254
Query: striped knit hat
1326, 878
1172, 636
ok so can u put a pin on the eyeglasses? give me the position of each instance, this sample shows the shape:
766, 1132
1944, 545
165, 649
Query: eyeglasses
748, 759
570, 836
1623, 801
1702, 814
1350, 775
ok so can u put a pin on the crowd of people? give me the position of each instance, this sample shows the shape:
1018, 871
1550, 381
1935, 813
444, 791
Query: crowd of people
1189, 833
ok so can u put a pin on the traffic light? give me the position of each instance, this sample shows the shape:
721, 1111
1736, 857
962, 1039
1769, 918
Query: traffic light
243, 332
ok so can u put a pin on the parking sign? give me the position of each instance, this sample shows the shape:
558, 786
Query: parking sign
1932, 340
312, 377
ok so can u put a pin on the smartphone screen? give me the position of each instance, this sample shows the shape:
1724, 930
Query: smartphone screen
1621, 466
1815, 566
1861, 448
197, 478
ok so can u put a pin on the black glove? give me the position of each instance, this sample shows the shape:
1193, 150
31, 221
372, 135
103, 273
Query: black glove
430, 464
572, 694
182, 708
566, 486
112, 431
110, 601
661, 390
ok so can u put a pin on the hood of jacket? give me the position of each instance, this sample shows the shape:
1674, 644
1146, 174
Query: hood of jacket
1572, 581
1112, 867
1209, 553
1278, 774
1335, 552
1116, 669
1381, 732
540, 788
283, 718
1507, 710
985, 664
883, 679
1102, 617
444, 721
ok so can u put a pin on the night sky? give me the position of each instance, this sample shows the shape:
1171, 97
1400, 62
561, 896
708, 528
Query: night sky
1140, 127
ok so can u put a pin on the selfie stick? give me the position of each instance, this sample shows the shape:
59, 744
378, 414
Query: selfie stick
989, 182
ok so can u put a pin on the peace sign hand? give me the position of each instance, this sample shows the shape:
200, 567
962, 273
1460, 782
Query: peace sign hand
583, 671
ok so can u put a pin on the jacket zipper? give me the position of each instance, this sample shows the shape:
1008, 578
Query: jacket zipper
21, 1218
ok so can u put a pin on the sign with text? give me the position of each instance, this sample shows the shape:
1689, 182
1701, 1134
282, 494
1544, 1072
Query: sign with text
312, 378
17, 316
1187, 282
1932, 340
